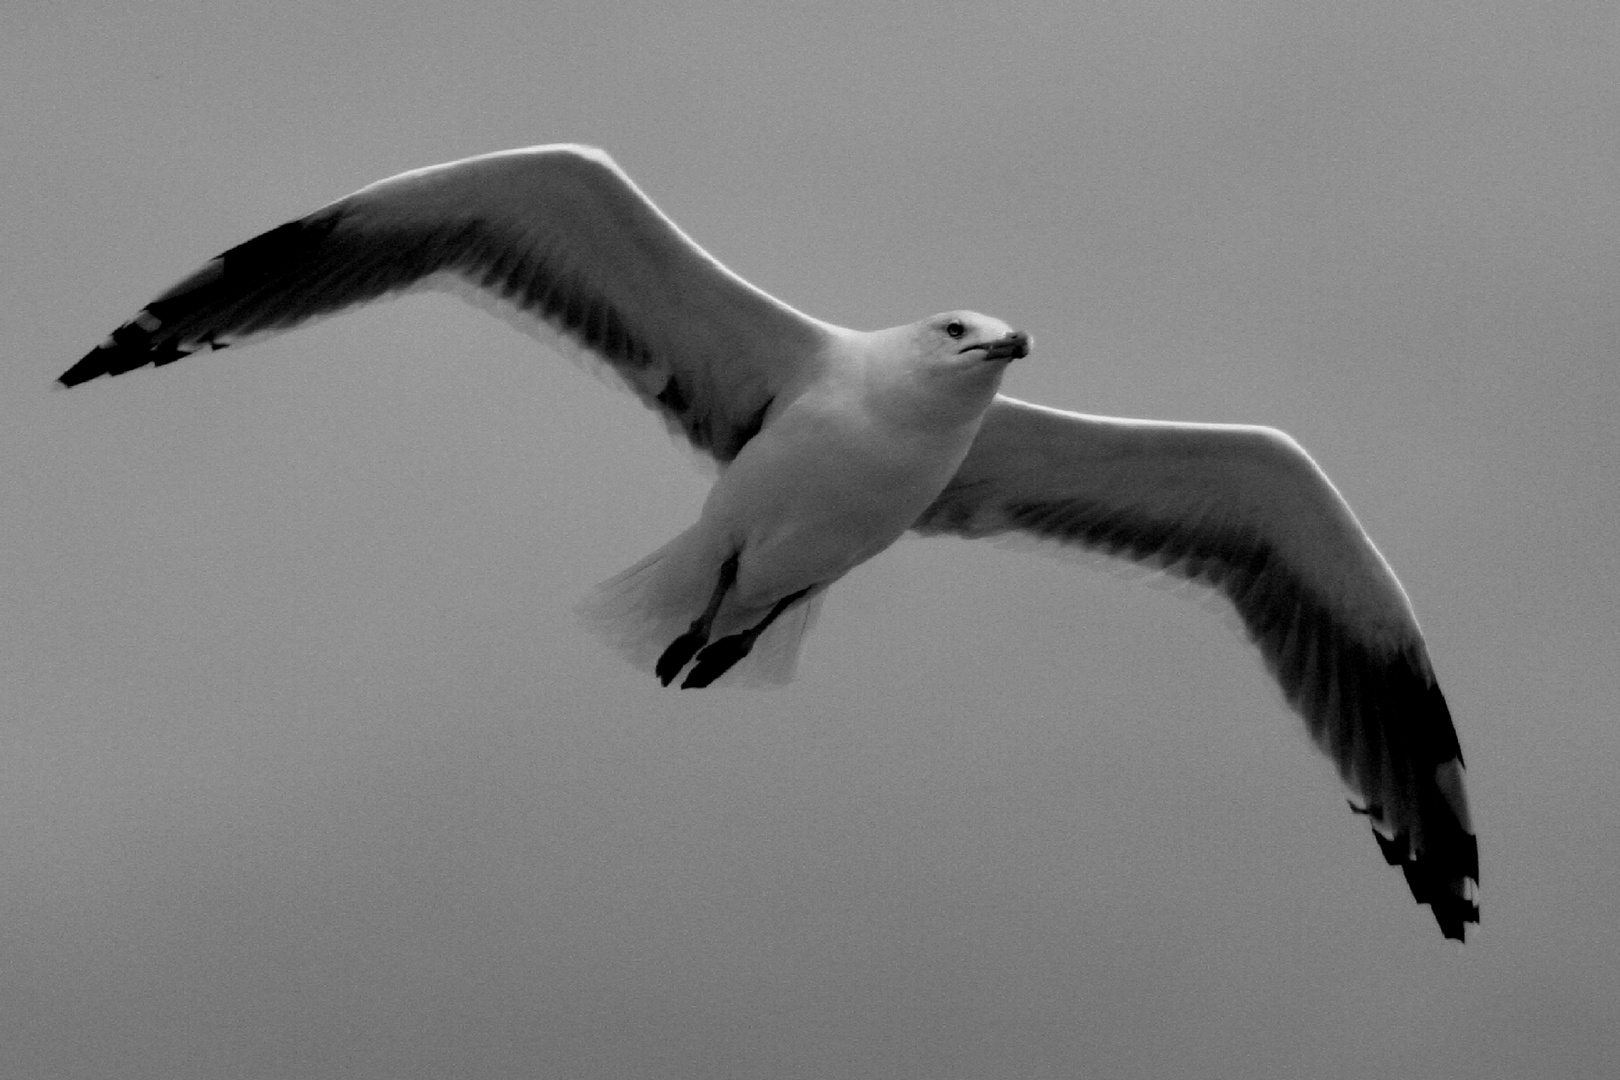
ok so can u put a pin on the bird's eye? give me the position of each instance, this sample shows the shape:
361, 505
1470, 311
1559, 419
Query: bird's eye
955, 329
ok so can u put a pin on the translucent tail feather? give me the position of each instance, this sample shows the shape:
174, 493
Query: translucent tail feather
639, 611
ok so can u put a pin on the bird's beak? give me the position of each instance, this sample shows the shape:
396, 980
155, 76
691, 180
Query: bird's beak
1015, 346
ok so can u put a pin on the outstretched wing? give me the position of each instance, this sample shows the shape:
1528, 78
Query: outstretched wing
1243, 509
559, 233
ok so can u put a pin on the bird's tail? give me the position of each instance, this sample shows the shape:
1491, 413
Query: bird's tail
640, 611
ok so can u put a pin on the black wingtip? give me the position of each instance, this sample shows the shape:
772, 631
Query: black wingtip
1444, 886
205, 307
1440, 878
92, 366
131, 346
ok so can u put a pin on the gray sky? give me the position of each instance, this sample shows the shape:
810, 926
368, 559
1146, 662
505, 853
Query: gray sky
307, 769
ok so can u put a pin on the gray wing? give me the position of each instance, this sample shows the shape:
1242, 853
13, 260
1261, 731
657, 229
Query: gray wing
559, 234
1245, 510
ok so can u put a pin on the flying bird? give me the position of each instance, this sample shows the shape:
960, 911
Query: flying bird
832, 443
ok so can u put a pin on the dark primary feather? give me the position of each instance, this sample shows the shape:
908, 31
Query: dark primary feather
278, 279
1253, 520
557, 232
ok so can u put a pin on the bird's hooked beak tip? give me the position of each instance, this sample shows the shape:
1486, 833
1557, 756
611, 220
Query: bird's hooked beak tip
1014, 346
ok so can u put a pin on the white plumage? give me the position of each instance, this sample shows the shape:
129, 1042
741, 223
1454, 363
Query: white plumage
833, 442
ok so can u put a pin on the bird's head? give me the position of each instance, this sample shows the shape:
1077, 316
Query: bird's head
974, 338
967, 348
965, 345
947, 366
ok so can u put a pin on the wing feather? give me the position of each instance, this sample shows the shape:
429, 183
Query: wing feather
557, 232
1246, 511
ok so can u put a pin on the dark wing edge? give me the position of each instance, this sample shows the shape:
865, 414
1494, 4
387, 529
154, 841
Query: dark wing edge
277, 280
321, 265
558, 234
1155, 494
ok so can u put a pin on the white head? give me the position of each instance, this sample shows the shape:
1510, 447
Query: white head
945, 367
966, 337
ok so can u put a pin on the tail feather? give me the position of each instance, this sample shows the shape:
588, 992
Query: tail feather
640, 610
775, 656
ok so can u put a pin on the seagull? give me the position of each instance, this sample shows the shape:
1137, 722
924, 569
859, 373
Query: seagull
832, 443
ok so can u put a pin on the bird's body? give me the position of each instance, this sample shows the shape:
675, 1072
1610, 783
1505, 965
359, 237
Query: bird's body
833, 443
840, 469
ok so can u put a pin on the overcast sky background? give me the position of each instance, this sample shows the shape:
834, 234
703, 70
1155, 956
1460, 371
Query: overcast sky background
306, 769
